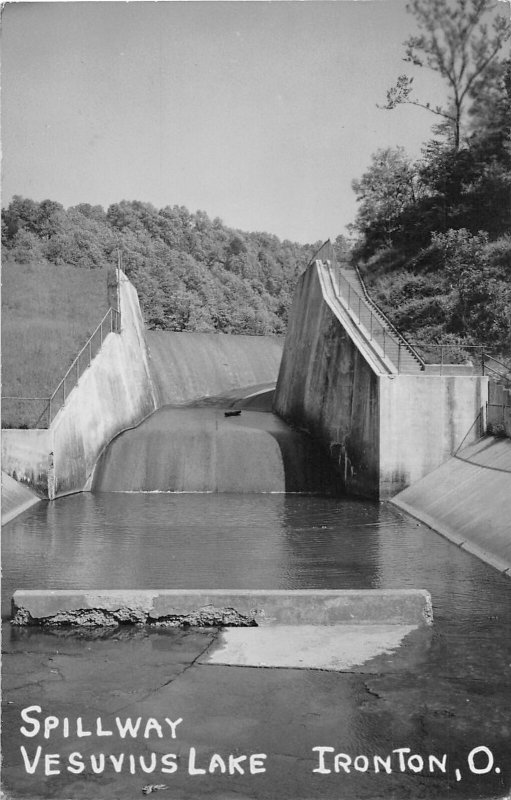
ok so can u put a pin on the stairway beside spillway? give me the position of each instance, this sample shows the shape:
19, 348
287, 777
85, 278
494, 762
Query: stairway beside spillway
403, 357
202, 450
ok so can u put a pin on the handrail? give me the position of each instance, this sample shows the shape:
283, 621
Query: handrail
113, 314
384, 328
388, 321
500, 363
498, 375
111, 311
74, 371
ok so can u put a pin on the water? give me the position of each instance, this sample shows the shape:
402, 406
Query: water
158, 541
201, 450
456, 698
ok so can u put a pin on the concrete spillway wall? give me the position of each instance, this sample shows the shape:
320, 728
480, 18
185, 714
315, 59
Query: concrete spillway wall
115, 393
385, 430
326, 386
135, 373
186, 367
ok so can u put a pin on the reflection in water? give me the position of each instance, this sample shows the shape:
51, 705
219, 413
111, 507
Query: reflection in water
239, 541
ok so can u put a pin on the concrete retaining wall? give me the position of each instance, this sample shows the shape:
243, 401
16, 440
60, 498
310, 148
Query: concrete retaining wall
115, 393
385, 430
206, 607
327, 386
423, 421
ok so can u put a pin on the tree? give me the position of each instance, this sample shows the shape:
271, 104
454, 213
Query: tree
490, 114
388, 187
455, 42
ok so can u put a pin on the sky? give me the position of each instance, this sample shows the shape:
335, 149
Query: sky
260, 113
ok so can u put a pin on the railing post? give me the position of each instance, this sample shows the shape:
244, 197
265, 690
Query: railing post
64, 390
441, 359
90, 351
399, 357
49, 412
371, 327
359, 309
384, 341
349, 295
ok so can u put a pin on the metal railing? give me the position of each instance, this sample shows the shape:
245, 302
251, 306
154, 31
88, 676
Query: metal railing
42, 415
393, 347
378, 327
406, 355
497, 370
475, 357
460, 355
476, 430
404, 341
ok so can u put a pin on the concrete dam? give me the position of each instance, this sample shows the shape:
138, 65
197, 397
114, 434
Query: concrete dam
190, 445
164, 506
355, 410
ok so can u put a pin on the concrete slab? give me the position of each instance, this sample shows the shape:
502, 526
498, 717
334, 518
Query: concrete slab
328, 647
97, 681
206, 607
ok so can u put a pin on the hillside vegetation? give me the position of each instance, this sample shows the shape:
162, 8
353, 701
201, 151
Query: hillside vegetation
192, 273
48, 313
434, 235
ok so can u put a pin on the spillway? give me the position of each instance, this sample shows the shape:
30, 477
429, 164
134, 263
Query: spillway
202, 450
188, 366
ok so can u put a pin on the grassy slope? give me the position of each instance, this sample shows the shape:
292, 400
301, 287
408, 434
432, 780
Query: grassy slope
48, 312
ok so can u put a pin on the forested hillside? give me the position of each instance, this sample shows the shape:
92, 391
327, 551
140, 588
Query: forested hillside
434, 235
192, 273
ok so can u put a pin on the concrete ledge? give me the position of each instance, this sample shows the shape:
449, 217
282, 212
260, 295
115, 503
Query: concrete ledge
218, 607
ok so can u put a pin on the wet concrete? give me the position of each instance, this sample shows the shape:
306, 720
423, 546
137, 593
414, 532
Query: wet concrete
329, 647
435, 705
201, 450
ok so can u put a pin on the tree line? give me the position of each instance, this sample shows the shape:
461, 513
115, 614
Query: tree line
192, 273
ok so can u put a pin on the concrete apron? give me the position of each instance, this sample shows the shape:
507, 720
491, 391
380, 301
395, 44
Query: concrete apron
307, 629
118, 712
